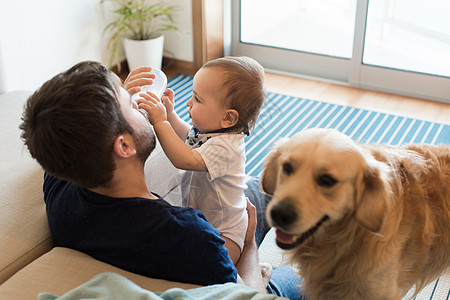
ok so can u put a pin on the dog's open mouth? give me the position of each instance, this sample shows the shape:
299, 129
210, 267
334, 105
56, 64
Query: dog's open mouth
288, 241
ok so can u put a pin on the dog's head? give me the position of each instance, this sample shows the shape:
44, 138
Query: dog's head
319, 176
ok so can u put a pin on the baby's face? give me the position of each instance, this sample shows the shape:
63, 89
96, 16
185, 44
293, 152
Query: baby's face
205, 106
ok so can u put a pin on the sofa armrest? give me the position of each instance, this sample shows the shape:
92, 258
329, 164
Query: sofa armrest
24, 232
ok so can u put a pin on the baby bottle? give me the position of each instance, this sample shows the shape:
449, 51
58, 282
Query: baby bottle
158, 87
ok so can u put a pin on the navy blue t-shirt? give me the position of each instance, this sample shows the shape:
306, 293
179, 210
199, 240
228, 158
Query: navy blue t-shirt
144, 236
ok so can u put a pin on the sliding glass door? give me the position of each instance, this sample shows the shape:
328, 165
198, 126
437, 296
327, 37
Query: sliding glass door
400, 46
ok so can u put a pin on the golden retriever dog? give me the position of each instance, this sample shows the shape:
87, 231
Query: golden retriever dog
360, 221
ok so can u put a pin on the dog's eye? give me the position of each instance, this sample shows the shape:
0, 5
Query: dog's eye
326, 181
287, 169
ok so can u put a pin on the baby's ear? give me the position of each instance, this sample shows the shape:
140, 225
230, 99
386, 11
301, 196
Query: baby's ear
230, 118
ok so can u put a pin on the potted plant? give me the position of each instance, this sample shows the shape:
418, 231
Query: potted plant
140, 24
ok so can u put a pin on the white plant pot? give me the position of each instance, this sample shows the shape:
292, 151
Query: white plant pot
144, 53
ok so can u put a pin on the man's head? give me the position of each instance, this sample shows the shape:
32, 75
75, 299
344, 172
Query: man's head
71, 124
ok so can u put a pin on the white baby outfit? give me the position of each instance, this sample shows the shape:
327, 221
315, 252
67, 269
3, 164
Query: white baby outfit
219, 192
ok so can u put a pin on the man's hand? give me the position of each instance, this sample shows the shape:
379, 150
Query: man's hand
248, 266
137, 78
252, 222
152, 105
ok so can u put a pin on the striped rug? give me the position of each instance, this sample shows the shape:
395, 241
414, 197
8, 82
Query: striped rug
282, 116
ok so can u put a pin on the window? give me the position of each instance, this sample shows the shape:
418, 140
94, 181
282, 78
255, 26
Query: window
400, 46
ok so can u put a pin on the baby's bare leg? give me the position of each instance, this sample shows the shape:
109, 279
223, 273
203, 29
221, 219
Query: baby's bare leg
233, 249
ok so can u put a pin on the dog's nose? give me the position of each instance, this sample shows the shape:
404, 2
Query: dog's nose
283, 214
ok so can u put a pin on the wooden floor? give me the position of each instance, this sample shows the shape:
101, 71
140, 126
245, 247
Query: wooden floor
383, 102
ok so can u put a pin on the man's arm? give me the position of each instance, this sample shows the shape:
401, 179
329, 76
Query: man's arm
249, 270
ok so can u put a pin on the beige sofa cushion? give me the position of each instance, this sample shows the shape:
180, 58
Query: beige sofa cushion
63, 269
24, 233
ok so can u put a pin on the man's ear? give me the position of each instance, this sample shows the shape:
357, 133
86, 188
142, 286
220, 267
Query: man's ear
124, 146
230, 118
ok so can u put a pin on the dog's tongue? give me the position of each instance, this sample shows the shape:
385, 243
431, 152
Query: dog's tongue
286, 238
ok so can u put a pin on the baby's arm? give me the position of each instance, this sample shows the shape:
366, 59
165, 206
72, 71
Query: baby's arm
181, 156
179, 125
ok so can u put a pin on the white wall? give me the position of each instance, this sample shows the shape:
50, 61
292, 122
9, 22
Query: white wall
180, 45
39, 39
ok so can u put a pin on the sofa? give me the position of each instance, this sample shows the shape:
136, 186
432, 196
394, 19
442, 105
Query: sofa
29, 264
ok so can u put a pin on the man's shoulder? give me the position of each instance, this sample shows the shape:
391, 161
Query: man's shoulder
190, 219
51, 185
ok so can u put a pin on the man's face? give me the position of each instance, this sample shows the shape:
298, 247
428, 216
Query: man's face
143, 134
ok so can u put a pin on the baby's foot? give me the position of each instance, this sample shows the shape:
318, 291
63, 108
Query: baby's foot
266, 272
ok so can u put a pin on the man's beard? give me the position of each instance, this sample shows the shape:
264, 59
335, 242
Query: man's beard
145, 142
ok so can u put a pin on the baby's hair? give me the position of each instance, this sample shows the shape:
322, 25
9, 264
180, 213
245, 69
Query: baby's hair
243, 86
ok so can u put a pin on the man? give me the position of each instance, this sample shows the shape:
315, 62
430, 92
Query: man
92, 141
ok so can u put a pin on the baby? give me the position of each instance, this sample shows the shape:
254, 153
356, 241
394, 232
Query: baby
227, 97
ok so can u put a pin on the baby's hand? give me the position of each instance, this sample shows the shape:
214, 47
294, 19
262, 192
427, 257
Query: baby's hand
168, 100
153, 106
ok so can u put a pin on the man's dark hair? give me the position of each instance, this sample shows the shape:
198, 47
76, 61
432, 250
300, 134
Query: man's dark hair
70, 124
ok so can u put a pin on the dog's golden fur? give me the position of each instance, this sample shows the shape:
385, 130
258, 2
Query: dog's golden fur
388, 209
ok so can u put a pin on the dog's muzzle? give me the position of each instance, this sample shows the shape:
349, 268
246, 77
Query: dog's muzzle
283, 215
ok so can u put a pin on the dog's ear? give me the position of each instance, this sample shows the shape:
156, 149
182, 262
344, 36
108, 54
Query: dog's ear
270, 170
372, 199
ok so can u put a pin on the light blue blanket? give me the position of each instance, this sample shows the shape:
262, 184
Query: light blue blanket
113, 286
